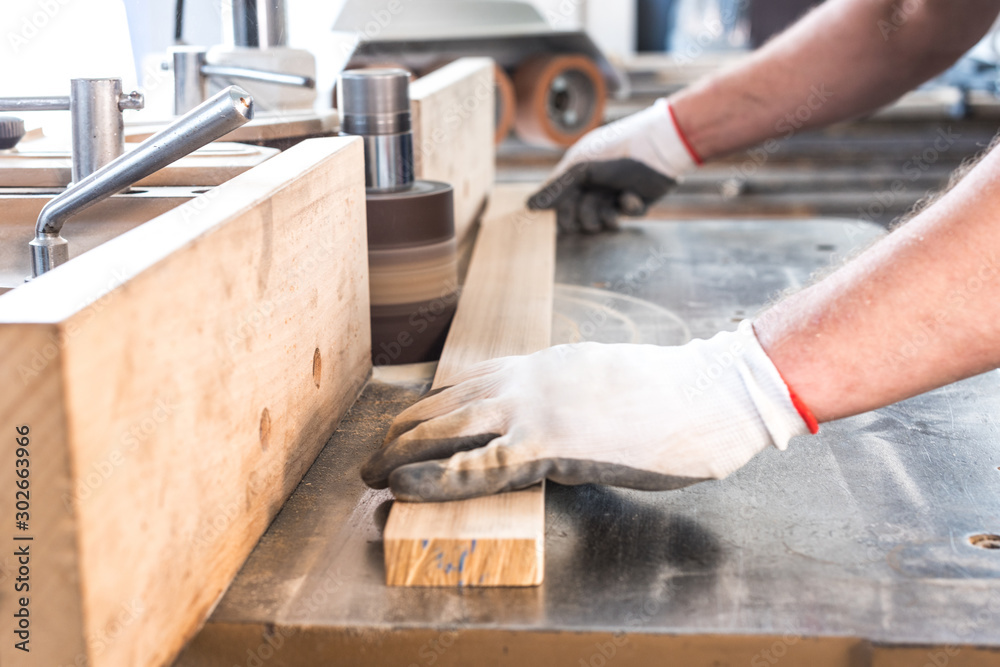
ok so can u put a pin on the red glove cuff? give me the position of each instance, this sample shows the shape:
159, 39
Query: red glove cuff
684, 140
807, 416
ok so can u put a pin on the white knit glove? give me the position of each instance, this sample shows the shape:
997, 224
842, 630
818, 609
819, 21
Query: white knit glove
617, 169
638, 416
650, 136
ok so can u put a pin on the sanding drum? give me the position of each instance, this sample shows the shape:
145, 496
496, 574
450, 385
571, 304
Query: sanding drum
412, 253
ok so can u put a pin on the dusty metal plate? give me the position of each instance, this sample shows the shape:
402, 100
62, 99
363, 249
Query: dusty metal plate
852, 542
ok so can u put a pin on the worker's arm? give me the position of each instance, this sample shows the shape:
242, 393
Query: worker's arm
916, 311
844, 59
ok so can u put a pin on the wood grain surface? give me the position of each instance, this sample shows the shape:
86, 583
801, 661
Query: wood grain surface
178, 381
505, 309
453, 133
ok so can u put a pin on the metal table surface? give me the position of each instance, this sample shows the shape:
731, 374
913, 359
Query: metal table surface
850, 548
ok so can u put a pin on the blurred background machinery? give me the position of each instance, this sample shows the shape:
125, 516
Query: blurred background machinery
563, 67
551, 84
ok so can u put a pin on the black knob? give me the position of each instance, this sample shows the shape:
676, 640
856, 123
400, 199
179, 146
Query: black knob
11, 131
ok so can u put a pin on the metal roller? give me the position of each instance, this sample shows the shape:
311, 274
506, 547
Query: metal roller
375, 105
412, 253
559, 99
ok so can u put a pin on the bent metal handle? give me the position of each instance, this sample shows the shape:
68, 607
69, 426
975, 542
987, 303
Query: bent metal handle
207, 122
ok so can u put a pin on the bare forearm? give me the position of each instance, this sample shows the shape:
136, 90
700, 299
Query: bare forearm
916, 311
846, 58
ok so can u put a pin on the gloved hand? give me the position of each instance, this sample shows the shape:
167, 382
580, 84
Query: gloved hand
617, 169
638, 416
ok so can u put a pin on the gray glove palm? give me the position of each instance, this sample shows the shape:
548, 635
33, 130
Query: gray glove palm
618, 169
590, 196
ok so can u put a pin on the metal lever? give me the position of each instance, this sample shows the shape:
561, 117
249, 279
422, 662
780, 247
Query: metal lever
16, 104
96, 107
191, 72
218, 116
279, 78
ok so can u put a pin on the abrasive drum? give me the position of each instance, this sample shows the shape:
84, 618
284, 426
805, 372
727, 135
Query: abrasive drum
413, 266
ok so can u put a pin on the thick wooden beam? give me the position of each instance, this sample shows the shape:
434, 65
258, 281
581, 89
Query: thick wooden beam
453, 129
505, 309
174, 384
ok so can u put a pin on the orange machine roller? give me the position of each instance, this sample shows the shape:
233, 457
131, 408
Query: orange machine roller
559, 99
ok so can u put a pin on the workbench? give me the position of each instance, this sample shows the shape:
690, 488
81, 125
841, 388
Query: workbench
850, 548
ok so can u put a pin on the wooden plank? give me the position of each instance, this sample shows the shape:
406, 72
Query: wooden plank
453, 127
46, 163
178, 381
506, 305
505, 309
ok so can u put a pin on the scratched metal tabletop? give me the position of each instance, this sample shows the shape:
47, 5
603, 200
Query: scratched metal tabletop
851, 548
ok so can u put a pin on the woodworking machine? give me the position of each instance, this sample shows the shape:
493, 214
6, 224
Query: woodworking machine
551, 84
96, 109
873, 543
859, 546
192, 74
255, 53
412, 253
100, 166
